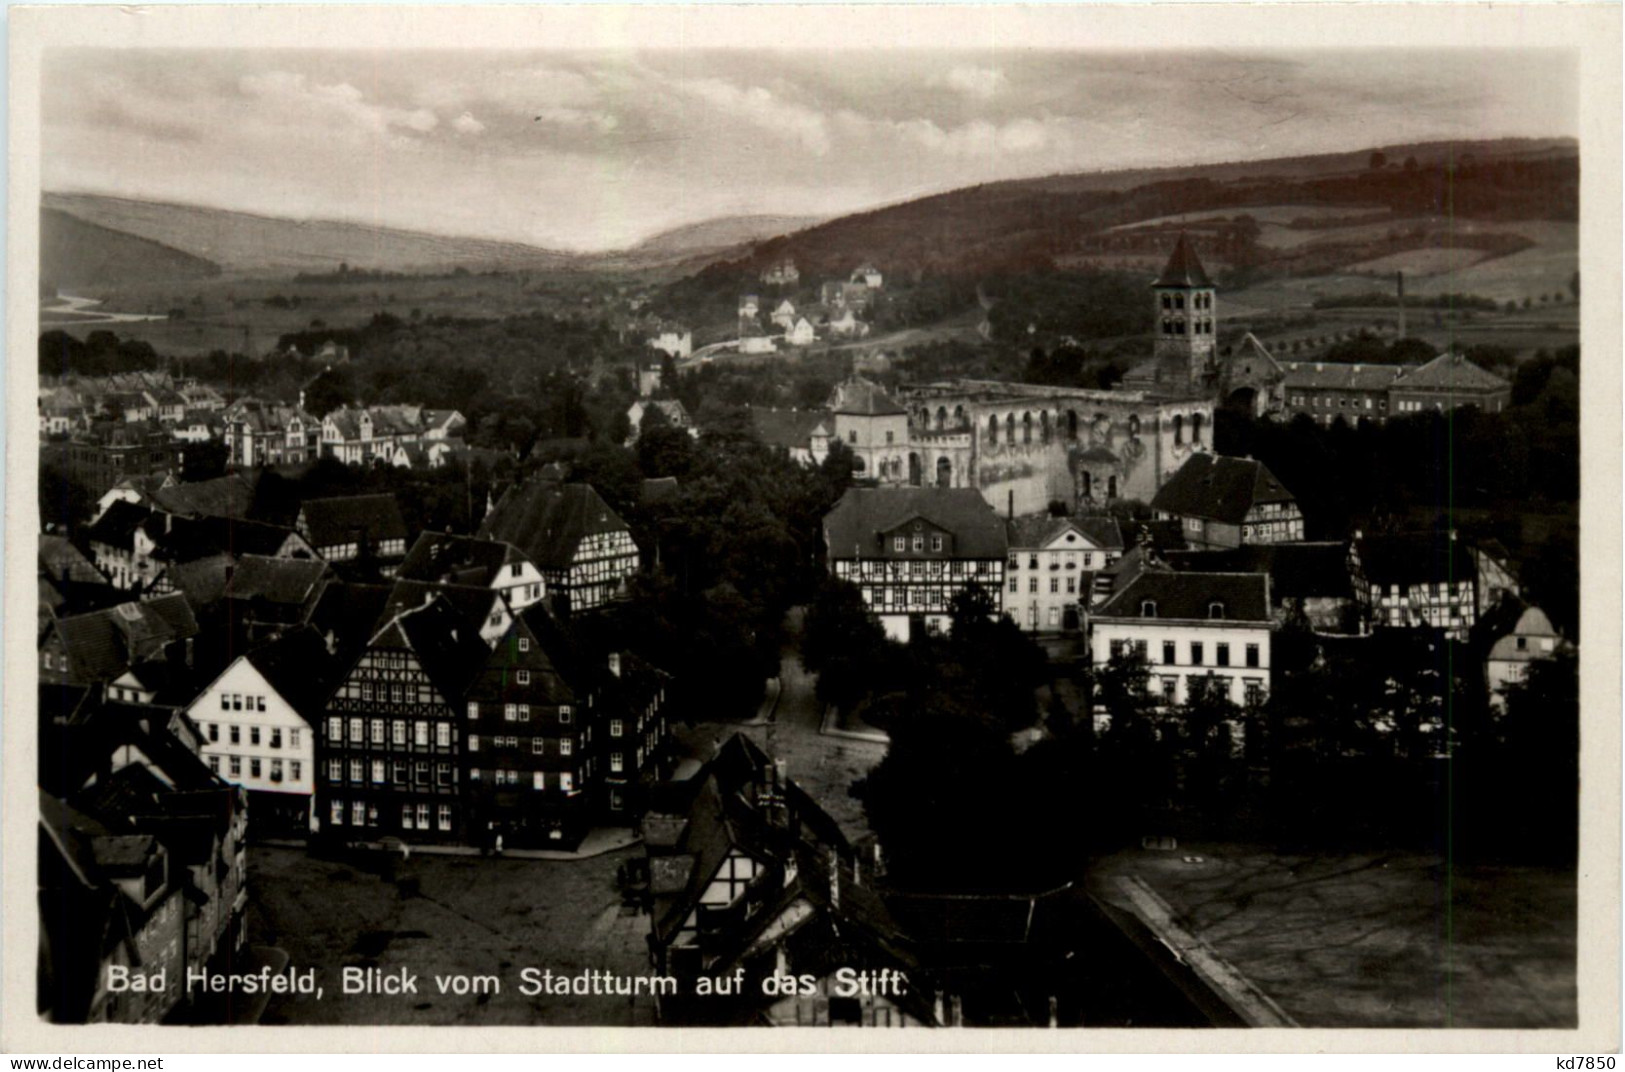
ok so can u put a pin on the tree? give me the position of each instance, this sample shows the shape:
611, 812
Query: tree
1379, 160
843, 645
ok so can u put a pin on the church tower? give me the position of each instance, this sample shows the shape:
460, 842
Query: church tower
1185, 320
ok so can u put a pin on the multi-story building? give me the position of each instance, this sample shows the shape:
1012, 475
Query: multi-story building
108, 452
585, 552
634, 747
95, 649
1327, 390
910, 551
1052, 567
270, 433
1418, 580
1222, 502
339, 529
1518, 636
1197, 632
391, 740
444, 558
1445, 383
257, 722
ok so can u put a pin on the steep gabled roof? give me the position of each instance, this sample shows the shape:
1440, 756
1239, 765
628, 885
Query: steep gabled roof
105, 643
446, 558
863, 514
471, 603
291, 581
338, 520
864, 398
226, 496
547, 521
448, 649
1184, 268
1220, 488
1415, 559
298, 666
116, 527
59, 559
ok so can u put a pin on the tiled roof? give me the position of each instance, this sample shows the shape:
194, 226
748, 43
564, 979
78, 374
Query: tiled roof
1451, 372
472, 604
547, 521
1296, 570
1219, 487
116, 527
1039, 531
1415, 559
448, 649
1332, 375
863, 514
226, 496
298, 666
791, 429
104, 643
1184, 268
181, 539
450, 559
58, 558
1190, 596
277, 580
339, 520
863, 398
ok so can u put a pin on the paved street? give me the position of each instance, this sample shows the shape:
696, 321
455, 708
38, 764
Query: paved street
824, 766
450, 915
1375, 940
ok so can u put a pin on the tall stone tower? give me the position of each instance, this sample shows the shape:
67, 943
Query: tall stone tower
1185, 321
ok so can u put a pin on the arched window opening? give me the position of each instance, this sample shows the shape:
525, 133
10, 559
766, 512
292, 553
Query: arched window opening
1026, 427
1179, 429
1215, 609
945, 473
1148, 608
1196, 429
942, 417
1072, 424
993, 430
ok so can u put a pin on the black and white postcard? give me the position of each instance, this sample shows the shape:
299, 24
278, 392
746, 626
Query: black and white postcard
753, 519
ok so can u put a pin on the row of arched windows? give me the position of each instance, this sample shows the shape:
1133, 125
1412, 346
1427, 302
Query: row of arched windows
1179, 429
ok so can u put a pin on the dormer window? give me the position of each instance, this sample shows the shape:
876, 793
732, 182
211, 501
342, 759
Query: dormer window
1215, 609
1148, 608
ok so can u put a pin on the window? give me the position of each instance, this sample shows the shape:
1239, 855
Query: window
565, 716
1148, 608
1254, 689
336, 813
1054, 585
1015, 585
1215, 609
524, 677
378, 771
1170, 688
423, 816
254, 735
936, 542
225, 699
538, 780
524, 712
420, 772
377, 728
276, 737
335, 770
406, 817
899, 543
1055, 615
1221, 654
565, 745
442, 774
358, 771
919, 543
1071, 586
397, 772
1196, 653
510, 712
355, 731
295, 769
524, 643
567, 782
1252, 655
236, 735
852, 436
614, 727
236, 766
420, 734
259, 703
1169, 657
1032, 585
442, 735
538, 745
236, 701
254, 767
214, 764
616, 764
474, 707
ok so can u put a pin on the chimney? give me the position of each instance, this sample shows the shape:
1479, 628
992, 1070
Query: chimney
615, 663
1010, 505
188, 652
834, 880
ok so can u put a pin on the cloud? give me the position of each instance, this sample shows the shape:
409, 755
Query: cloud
467, 124
978, 138
298, 98
578, 118
980, 82
762, 108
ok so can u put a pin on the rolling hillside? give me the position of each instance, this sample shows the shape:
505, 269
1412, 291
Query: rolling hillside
76, 253
241, 242
719, 234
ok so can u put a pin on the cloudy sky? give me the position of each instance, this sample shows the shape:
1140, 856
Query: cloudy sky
598, 149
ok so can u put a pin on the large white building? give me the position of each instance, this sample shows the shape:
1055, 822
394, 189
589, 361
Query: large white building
1195, 631
1052, 567
255, 721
